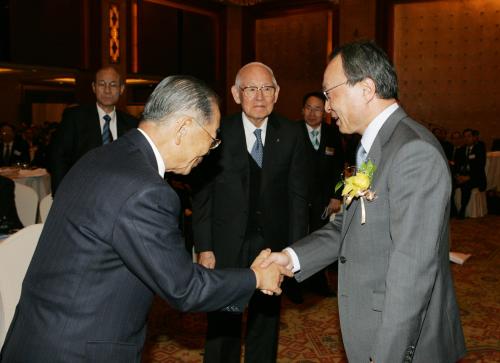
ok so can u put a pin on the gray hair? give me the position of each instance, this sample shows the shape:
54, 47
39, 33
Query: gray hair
364, 59
237, 81
180, 94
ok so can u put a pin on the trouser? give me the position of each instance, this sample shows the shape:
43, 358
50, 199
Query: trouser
223, 342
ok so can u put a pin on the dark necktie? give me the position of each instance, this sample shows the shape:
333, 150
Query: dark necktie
106, 131
258, 149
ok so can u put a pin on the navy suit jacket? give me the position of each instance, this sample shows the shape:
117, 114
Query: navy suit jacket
79, 132
111, 241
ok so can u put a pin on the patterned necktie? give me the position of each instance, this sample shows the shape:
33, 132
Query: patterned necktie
315, 139
106, 132
258, 149
360, 156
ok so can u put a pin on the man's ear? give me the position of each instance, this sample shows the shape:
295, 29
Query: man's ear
182, 126
236, 94
93, 87
122, 88
276, 93
369, 89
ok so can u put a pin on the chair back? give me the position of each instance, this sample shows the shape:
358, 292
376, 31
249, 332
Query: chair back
44, 208
15, 256
26, 204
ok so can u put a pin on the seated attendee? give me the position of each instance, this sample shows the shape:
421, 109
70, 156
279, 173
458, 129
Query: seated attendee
14, 150
9, 220
470, 174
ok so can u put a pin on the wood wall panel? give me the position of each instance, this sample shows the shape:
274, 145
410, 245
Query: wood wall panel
159, 39
447, 54
46, 32
295, 47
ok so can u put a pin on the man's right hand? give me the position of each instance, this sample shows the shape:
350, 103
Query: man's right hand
207, 259
269, 278
280, 258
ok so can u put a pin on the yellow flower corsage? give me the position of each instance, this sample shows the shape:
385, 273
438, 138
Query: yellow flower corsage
358, 186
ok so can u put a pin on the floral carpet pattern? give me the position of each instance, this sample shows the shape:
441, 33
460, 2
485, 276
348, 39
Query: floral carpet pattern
310, 332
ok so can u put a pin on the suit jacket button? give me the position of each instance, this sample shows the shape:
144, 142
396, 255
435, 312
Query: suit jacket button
343, 259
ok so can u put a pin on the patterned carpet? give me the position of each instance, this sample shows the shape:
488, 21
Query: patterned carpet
310, 332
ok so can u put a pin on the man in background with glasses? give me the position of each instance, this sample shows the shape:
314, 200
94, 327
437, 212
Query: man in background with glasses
255, 198
86, 127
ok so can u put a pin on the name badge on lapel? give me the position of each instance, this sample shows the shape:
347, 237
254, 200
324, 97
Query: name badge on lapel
329, 151
472, 156
16, 153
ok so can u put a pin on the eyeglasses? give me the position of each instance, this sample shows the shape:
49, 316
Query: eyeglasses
215, 142
112, 85
251, 91
331, 88
313, 109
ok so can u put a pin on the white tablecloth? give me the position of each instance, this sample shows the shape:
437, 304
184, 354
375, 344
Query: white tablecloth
493, 170
38, 179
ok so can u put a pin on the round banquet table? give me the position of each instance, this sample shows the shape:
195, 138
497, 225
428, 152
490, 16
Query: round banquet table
38, 179
493, 170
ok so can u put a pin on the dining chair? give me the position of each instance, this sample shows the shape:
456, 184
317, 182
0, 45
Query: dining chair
15, 255
44, 207
26, 204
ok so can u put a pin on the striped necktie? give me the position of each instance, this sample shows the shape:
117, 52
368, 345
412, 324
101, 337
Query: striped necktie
106, 131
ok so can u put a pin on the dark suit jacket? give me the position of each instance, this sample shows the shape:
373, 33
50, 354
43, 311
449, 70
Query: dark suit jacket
8, 214
472, 165
110, 243
220, 209
19, 153
79, 132
326, 165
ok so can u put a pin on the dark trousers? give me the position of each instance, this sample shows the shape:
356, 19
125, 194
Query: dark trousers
465, 189
223, 342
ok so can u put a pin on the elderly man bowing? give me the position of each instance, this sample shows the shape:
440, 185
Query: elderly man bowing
112, 240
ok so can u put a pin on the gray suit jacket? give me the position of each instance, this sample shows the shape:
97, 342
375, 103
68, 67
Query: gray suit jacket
396, 297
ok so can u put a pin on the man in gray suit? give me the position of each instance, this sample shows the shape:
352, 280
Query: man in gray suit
395, 291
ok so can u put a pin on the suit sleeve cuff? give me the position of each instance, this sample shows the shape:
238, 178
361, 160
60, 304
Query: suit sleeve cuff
295, 259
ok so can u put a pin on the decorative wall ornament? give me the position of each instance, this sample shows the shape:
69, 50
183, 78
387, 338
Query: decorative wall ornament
114, 34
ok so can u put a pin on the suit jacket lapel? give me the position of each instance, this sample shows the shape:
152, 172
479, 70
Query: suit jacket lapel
95, 132
120, 129
270, 148
375, 155
235, 141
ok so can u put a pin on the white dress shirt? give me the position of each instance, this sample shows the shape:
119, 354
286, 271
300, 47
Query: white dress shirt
159, 159
250, 128
112, 124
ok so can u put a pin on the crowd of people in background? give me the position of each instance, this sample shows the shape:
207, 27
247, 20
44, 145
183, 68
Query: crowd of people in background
26, 145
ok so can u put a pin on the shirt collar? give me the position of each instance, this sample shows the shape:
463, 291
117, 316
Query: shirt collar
309, 128
375, 125
249, 126
159, 159
101, 112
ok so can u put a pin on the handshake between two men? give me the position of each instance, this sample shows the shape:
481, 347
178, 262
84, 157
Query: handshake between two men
270, 269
